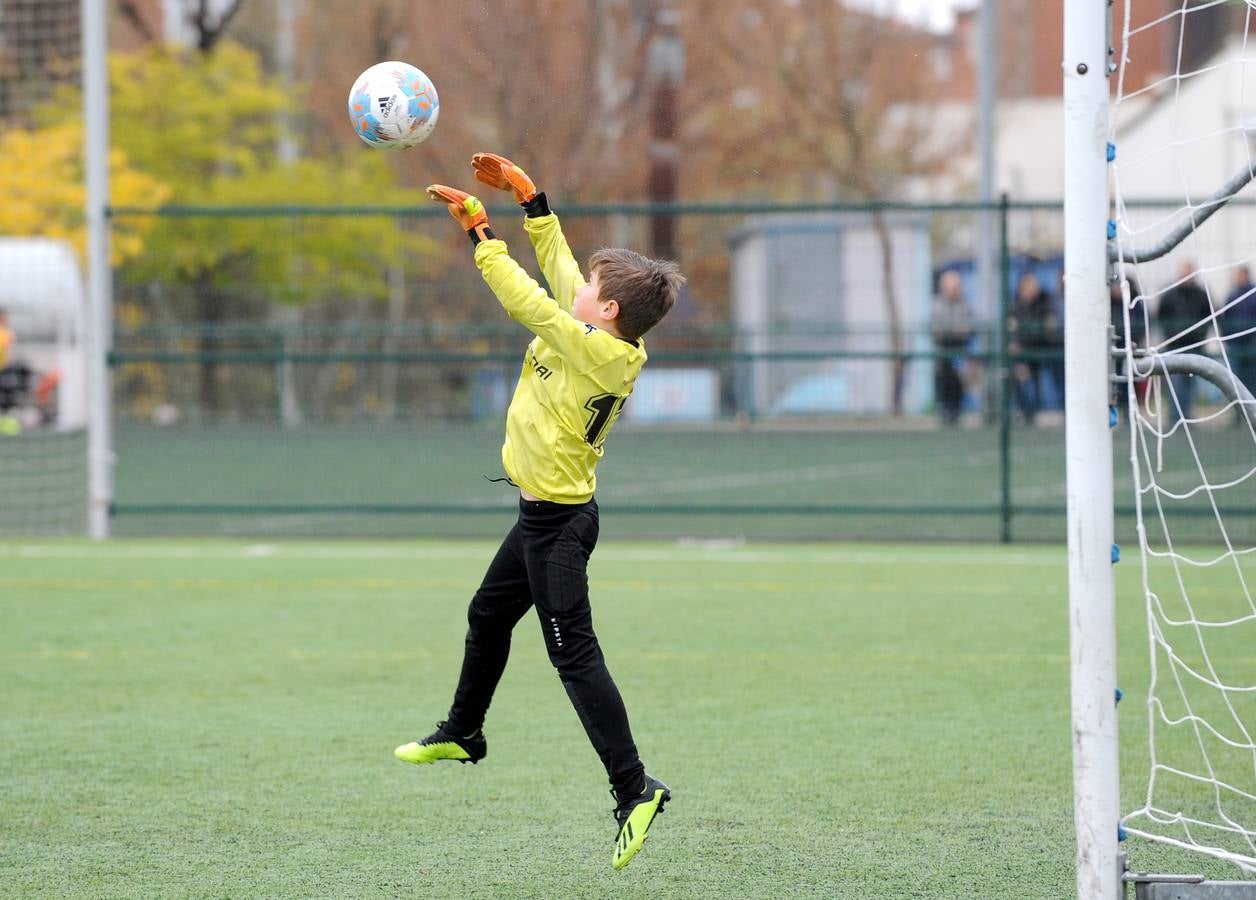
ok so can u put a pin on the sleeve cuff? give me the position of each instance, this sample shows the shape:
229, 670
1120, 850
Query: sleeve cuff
536, 207
481, 233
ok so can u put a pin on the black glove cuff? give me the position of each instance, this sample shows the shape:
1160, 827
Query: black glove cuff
536, 207
481, 233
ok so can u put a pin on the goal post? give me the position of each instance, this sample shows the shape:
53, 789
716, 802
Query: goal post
1165, 137
1088, 443
99, 289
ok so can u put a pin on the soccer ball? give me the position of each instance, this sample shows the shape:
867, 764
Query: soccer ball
393, 106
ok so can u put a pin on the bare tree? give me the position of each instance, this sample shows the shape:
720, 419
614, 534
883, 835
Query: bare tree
547, 82
207, 20
834, 103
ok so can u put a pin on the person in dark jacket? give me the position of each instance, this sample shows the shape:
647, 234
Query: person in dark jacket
1137, 332
951, 325
1185, 320
1033, 332
1239, 324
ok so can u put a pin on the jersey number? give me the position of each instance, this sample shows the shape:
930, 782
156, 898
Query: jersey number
602, 409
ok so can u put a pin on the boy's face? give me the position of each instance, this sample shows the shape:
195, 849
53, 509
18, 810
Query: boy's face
589, 307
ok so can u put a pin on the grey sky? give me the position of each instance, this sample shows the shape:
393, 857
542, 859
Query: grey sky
937, 14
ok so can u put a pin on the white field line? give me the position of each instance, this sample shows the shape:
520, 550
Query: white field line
805, 474
681, 554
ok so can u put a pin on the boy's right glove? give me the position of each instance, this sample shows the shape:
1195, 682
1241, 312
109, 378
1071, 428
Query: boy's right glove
466, 209
499, 172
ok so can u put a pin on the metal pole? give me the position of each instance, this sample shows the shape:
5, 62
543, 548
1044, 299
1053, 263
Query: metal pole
285, 59
987, 100
99, 273
1005, 393
1088, 442
666, 62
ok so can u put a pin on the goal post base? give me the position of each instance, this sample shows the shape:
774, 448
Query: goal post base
1173, 887
1157, 886
1149, 886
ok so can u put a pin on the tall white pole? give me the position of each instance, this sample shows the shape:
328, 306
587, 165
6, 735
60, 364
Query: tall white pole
1088, 440
989, 290
99, 273
288, 150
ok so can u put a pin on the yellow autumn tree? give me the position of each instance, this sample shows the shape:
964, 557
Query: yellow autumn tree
44, 188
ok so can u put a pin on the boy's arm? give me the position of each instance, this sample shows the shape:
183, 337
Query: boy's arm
557, 263
583, 346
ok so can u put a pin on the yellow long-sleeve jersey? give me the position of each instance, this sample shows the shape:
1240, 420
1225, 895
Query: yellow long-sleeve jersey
575, 376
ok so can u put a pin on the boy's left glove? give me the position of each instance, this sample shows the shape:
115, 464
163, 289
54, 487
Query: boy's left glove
466, 209
499, 172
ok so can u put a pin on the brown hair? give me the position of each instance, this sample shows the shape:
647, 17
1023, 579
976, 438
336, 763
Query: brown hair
644, 288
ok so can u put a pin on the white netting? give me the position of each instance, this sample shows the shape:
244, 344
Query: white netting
43, 453
1184, 125
44, 483
39, 48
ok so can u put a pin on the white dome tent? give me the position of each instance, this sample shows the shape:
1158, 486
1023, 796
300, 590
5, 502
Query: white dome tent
41, 289
43, 464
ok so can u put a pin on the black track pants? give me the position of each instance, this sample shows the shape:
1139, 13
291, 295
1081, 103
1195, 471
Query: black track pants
543, 563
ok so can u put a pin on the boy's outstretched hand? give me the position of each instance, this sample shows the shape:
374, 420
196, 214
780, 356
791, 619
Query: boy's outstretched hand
466, 209
499, 172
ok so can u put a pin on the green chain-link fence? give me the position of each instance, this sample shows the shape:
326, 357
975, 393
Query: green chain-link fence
345, 371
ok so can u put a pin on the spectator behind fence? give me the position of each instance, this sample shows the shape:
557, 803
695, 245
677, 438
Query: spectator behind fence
13, 378
1184, 317
951, 324
1053, 365
1137, 330
1239, 318
1033, 331
6, 339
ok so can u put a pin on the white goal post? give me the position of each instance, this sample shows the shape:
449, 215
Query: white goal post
1088, 442
1150, 156
99, 272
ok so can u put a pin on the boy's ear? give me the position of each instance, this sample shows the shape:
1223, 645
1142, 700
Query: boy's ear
609, 310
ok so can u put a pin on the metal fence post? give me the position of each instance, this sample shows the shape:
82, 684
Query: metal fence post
281, 375
1005, 379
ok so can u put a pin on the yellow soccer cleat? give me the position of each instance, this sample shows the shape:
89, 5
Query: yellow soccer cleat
634, 816
440, 744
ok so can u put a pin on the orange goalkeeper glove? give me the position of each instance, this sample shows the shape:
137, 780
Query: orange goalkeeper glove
499, 172
466, 209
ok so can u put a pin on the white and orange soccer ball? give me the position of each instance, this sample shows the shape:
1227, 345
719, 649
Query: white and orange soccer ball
393, 105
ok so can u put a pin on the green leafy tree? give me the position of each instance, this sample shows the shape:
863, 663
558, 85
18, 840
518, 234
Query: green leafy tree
206, 123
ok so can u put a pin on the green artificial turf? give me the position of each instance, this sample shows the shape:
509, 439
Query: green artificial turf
762, 482
216, 719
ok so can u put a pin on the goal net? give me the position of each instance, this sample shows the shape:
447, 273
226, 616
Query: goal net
1183, 148
43, 433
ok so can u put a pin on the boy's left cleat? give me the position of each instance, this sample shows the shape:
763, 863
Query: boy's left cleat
634, 815
440, 744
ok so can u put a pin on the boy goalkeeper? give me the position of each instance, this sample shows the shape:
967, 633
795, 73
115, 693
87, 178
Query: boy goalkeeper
577, 373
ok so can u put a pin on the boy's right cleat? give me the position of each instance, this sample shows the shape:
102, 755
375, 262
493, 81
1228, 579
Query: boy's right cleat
634, 815
440, 744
